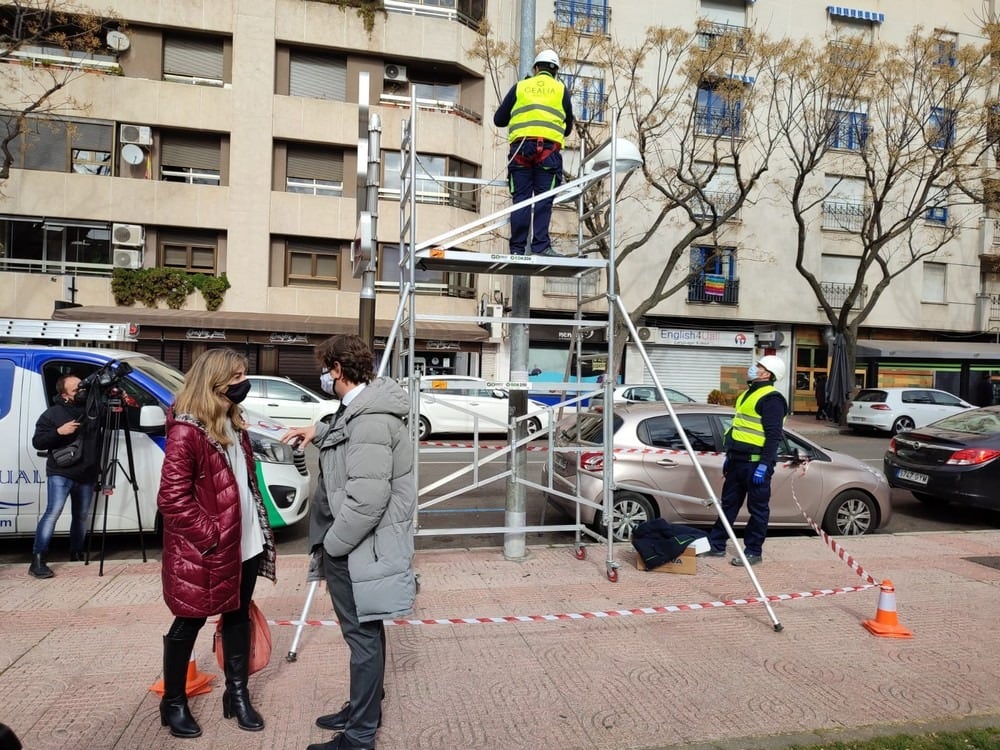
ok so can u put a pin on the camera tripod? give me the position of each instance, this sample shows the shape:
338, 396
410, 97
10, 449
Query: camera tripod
113, 423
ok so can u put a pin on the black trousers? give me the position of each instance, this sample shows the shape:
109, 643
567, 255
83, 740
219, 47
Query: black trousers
366, 640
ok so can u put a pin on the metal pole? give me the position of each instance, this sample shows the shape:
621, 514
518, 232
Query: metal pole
520, 302
367, 298
366, 305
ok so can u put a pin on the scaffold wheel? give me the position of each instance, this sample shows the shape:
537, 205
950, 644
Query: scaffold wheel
612, 574
580, 553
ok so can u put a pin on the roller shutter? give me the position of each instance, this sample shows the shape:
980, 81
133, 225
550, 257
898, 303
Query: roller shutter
694, 370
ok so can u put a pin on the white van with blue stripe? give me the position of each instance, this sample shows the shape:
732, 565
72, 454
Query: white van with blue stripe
28, 375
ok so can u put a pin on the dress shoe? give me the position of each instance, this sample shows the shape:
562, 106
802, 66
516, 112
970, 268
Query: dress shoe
38, 568
336, 722
339, 742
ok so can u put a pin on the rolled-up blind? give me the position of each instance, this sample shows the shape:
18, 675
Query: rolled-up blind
197, 152
315, 163
317, 77
191, 56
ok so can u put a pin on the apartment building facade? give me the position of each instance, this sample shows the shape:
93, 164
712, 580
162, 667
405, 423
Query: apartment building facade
222, 137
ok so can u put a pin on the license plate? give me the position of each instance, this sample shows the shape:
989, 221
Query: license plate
859, 419
912, 476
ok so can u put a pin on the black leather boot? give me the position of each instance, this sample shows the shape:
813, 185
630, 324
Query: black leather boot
38, 568
174, 711
236, 664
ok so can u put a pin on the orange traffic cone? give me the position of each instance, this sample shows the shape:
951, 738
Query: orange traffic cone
197, 682
886, 623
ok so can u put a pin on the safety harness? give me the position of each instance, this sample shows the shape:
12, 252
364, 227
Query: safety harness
543, 150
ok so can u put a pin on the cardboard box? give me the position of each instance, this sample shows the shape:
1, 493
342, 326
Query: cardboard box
686, 564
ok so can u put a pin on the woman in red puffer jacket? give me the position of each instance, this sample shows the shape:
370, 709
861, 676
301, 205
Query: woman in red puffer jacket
216, 537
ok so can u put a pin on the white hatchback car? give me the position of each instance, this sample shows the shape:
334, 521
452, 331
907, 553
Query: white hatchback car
898, 409
287, 402
457, 403
628, 394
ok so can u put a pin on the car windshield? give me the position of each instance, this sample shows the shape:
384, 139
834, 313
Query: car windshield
159, 372
975, 421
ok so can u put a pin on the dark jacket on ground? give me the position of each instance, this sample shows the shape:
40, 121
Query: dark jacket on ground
366, 497
199, 501
47, 437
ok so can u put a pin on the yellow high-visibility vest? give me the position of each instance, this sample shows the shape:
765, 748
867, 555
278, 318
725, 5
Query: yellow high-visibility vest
747, 427
538, 110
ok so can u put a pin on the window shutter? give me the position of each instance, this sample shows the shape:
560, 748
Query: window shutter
317, 77
315, 164
198, 58
197, 152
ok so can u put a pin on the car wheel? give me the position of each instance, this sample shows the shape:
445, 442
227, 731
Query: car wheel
903, 423
628, 511
929, 499
852, 513
423, 429
533, 425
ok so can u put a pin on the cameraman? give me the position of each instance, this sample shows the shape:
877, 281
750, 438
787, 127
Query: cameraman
59, 426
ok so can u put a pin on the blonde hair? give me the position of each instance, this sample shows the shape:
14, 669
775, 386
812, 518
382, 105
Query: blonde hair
201, 395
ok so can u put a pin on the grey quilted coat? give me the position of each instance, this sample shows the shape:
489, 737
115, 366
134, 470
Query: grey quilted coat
366, 497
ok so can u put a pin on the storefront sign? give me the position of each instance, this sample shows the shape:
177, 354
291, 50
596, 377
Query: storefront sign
288, 338
701, 337
202, 333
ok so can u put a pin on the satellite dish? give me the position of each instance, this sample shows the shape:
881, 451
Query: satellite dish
133, 154
118, 41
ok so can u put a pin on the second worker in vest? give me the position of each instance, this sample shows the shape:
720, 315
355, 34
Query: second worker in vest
751, 452
538, 115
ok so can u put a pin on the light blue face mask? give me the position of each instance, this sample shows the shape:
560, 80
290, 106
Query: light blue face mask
327, 382
752, 372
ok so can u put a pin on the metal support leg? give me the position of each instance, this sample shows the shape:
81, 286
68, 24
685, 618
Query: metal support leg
293, 651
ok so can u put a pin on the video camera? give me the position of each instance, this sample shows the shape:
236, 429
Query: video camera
100, 381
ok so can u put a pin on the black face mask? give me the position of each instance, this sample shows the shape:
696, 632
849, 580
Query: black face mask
238, 391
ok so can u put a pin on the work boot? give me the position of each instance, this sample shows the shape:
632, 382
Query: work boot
236, 664
174, 711
76, 556
38, 568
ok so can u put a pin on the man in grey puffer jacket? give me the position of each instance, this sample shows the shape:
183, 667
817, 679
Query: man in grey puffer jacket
362, 517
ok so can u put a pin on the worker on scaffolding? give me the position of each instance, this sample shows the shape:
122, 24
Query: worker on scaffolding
538, 114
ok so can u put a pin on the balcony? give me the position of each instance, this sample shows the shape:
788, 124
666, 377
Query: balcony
714, 199
718, 120
724, 36
844, 217
836, 293
730, 292
468, 12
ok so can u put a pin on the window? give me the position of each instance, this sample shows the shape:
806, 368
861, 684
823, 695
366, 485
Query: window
713, 272
844, 207
586, 16
191, 158
848, 123
720, 192
941, 127
428, 183
55, 245
947, 46
436, 92
838, 276
194, 59
717, 111
934, 282
660, 432
82, 147
314, 170
442, 283
937, 207
586, 89
317, 76
722, 20
50, 37
195, 253
312, 263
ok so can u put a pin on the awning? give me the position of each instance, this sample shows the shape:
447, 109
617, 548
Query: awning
855, 13
267, 322
931, 350
738, 77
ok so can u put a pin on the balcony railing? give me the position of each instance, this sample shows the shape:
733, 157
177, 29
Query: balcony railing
711, 35
835, 293
468, 12
844, 217
720, 201
730, 294
717, 120
432, 105
588, 16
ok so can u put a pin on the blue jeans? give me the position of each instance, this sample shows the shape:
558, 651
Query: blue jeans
737, 486
60, 488
525, 182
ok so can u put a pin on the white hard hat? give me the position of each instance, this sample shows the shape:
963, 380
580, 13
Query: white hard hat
773, 365
547, 57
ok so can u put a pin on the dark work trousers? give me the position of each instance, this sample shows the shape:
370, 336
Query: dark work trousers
366, 641
525, 182
186, 628
738, 485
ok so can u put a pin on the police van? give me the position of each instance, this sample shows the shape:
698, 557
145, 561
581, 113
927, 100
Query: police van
140, 389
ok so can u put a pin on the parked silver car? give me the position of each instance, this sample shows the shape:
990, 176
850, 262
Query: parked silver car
843, 494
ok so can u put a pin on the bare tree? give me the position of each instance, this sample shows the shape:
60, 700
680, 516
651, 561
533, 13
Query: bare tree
884, 143
44, 46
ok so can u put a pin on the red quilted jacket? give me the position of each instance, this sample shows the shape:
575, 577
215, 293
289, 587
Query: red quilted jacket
200, 504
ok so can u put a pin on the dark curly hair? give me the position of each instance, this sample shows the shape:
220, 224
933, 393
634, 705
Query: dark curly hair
356, 360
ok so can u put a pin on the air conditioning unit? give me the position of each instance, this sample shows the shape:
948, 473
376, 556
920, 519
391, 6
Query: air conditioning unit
130, 235
140, 135
395, 73
127, 258
648, 334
